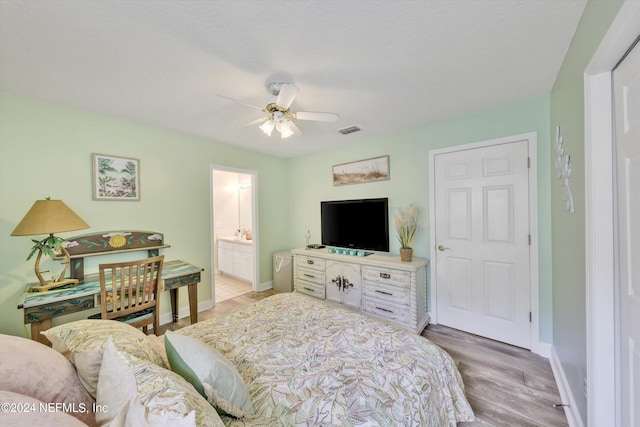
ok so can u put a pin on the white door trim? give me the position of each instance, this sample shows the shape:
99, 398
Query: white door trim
254, 226
602, 400
599, 302
532, 138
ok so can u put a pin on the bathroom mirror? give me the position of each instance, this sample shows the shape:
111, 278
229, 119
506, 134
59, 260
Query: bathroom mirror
244, 206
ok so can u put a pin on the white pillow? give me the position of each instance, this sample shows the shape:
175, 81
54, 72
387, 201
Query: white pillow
135, 414
212, 374
139, 393
85, 340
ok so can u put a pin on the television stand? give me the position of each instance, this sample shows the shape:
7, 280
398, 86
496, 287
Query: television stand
378, 285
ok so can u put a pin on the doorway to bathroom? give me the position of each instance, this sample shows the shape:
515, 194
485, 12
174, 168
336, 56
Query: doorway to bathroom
233, 232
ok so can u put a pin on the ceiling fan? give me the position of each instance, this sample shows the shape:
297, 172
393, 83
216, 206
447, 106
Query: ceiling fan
278, 113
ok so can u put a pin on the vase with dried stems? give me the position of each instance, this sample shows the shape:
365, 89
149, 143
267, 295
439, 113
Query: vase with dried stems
406, 223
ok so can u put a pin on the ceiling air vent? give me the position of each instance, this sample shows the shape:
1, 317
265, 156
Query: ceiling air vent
350, 129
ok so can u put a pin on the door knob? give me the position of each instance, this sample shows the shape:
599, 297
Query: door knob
442, 248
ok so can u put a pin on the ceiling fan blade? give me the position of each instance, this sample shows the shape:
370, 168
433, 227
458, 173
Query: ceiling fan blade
286, 96
296, 130
239, 102
254, 122
319, 117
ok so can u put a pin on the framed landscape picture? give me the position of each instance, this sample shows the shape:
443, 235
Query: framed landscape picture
368, 170
115, 178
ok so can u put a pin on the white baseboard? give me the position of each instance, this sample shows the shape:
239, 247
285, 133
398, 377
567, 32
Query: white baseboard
571, 410
542, 349
184, 312
264, 286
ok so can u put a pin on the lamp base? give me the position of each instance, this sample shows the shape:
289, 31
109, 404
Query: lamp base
52, 285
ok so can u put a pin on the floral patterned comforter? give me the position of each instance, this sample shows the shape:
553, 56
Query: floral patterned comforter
311, 363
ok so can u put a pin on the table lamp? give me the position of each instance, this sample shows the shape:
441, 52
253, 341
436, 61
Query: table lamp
48, 217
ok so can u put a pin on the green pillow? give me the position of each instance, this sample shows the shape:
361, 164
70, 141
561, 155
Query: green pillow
136, 392
212, 374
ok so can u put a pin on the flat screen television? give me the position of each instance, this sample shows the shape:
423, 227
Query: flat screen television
356, 224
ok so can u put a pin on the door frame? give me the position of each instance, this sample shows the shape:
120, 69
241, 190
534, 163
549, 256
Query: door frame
254, 224
532, 139
603, 400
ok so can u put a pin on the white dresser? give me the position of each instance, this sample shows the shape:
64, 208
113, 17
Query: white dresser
379, 285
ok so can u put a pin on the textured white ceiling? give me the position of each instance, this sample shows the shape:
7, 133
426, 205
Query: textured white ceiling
385, 65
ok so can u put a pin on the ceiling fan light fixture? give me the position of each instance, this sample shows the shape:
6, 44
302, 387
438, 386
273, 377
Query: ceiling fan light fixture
267, 127
279, 126
283, 124
286, 131
279, 114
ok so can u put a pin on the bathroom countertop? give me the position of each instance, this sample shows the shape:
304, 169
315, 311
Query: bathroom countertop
236, 240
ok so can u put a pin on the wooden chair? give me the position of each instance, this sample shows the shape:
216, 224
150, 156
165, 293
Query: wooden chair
132, 296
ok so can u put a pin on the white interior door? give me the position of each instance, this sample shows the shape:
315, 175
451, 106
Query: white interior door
482, 241
626, 97
234, 206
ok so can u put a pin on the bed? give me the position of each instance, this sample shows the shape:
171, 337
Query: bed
310, 362
295, 360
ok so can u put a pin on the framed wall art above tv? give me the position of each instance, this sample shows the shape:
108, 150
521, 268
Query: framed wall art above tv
115, 177
367, 170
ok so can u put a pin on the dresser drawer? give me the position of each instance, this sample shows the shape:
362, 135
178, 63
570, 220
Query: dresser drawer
386, 275
310, 262
387, 310
310, 275
310, 289
387, 293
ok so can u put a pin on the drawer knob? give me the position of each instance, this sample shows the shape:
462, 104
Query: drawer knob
309, 261
384, 309
383, 292
385, 275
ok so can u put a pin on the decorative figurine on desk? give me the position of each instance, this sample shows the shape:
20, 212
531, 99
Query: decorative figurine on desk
307, 236
49, 217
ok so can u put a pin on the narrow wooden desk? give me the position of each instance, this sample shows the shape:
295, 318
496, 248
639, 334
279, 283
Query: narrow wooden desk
41, 307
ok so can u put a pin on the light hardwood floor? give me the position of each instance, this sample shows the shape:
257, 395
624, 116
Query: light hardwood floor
506, 385
228, 287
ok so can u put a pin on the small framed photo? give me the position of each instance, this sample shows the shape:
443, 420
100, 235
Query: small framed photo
115, 178
368, 170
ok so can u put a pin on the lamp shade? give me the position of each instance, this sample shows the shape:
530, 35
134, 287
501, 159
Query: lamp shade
48, 217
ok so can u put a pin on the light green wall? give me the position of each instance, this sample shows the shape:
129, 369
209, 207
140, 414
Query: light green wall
567, 111
311, 180
35, 135
45, 150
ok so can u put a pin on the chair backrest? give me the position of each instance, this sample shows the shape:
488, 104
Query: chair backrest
129, 287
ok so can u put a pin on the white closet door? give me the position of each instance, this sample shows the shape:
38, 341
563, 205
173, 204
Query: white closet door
482, 237
626, 96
